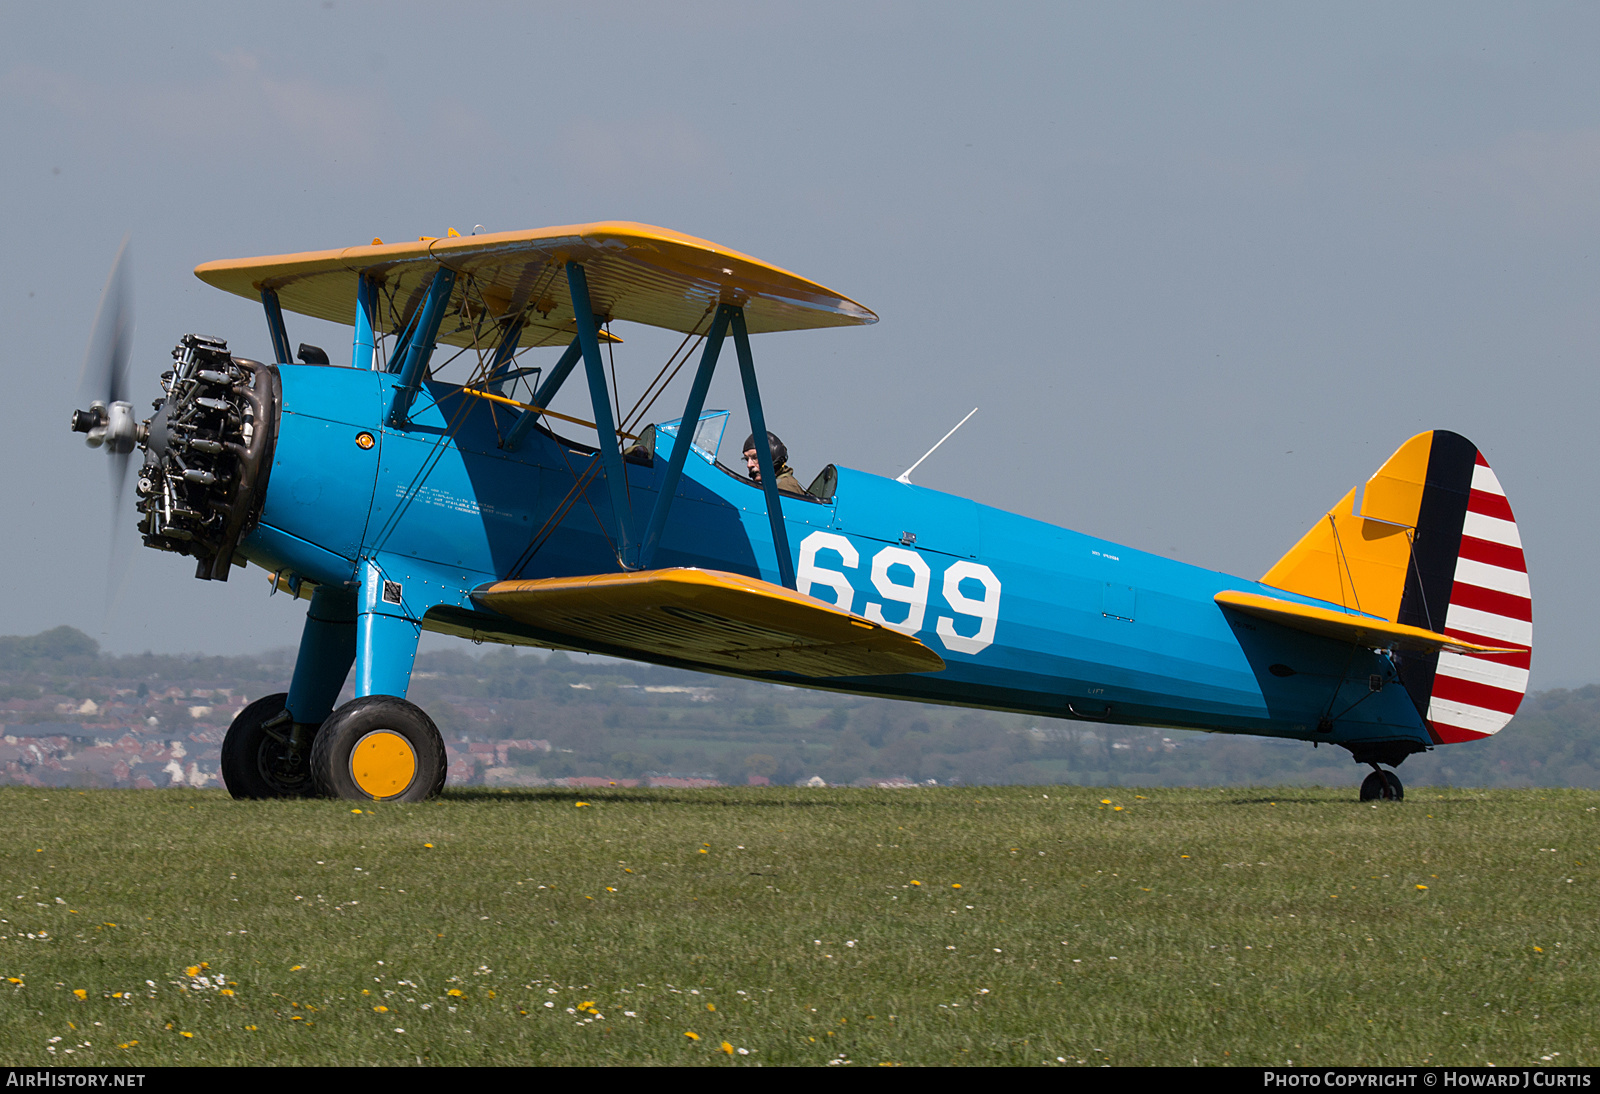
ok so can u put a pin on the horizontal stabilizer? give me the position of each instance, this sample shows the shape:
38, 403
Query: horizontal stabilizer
710, 618
1361, 629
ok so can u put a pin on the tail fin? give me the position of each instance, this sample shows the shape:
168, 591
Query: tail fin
1429, 541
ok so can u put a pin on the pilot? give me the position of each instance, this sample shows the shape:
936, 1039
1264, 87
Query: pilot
787, 483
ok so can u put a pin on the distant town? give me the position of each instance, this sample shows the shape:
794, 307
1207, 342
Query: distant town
76, 717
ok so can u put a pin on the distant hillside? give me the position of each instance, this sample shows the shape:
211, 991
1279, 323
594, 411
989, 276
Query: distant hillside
576, 717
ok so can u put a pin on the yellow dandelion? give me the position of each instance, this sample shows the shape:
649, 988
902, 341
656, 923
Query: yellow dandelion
579, 805
381, 1010
252, 1029
691, 1034
128, 1044
1422, 888
1536, 949
1116, 808
429, 846
1105, 801
914, 881
955, 885
297, 968
80, 993
227, 991
609, 889
355, 810
703, 851
711, 1006
185, 1033
454, 991
726, 1047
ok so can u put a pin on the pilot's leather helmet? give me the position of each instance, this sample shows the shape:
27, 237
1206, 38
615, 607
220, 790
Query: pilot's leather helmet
780, 453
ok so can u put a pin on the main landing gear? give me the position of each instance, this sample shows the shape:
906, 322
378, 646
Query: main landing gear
376, 748
266, 754
1382, 785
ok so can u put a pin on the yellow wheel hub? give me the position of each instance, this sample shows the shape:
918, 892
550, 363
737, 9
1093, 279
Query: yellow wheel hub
383, 764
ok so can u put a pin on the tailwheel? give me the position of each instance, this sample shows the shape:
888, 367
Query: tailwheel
1382, 786
266, 754
379, 748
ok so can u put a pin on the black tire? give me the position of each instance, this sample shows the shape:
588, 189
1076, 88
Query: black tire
1397, 791
390, 728
1382, 786
259, 755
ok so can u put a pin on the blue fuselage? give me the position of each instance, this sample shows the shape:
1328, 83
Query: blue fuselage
1027, 616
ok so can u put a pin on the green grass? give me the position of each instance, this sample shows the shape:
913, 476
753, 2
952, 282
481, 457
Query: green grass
1209, 926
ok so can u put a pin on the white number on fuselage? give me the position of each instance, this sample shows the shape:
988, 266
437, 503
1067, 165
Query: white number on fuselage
899, 562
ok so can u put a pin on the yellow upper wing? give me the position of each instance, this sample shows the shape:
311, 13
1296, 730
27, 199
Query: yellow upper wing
636, 272
710, 618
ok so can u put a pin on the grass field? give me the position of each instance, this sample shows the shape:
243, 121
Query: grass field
1020, 925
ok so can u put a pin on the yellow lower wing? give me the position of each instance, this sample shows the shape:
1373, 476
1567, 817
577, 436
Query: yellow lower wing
710, 618
1360, 629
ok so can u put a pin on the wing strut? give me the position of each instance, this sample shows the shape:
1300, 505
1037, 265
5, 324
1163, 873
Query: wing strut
505, 351
275, 327
685, 437
600, 398
758, 428
547, 391
413, 359
365, 341
631, 553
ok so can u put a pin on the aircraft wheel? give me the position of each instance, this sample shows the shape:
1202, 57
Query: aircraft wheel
1397, 792
263, 756
1382, 786
378, 748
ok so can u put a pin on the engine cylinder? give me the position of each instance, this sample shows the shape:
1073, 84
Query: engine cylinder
208, 452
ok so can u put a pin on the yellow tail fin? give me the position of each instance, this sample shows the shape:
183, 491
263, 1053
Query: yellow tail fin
1360, 557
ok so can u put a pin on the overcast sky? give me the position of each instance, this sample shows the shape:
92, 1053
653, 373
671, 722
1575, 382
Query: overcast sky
1202, 267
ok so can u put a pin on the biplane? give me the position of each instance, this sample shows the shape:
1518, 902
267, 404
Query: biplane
396, 501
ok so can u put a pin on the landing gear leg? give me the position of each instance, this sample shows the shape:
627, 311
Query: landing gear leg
380, 747
327, 650
267, 752
1382, 785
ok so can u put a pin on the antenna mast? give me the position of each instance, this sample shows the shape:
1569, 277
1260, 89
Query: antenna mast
905, 476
